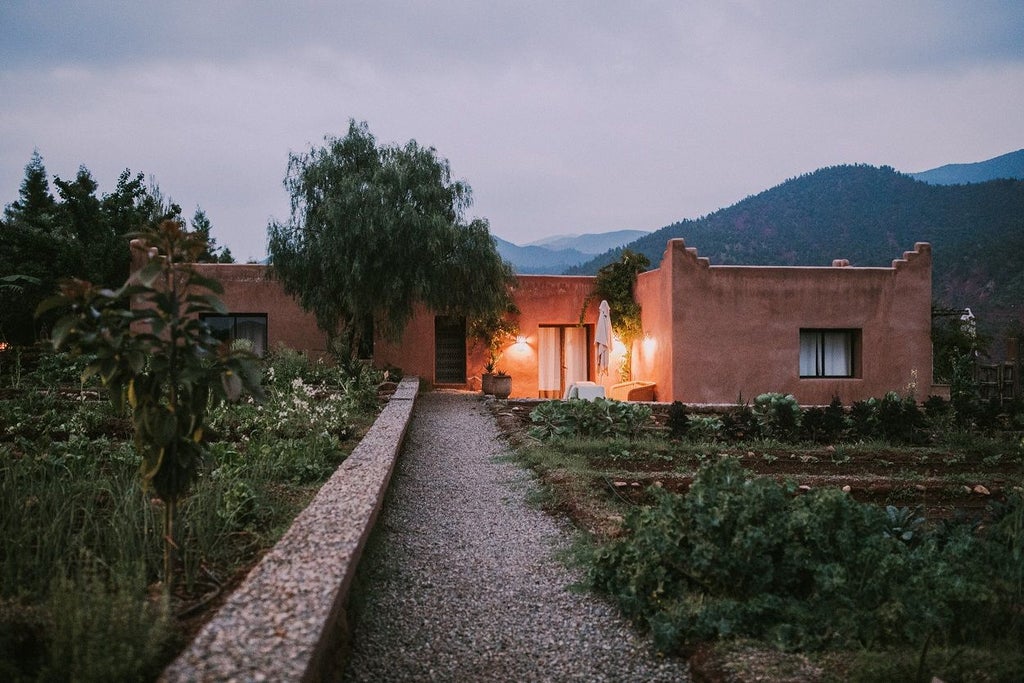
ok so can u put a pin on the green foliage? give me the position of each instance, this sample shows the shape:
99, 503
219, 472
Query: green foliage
705, 427
79, 562
614, 283
78, 234
374, 230
495, 330
678, 422
581, 418
777, 415
201, 228
160, 357
860, 212
825, 425
743, 556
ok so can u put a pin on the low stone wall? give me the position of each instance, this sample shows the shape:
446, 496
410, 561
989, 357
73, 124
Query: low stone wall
286, 622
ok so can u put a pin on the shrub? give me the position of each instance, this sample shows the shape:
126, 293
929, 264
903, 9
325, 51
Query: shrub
580, 418
743, 556
777, 415
739, 423
705, 428
678, 422
864, 418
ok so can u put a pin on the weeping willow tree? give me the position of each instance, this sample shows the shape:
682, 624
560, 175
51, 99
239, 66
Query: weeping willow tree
376, 229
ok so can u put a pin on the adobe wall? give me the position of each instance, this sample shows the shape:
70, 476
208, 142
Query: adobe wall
653, 354
547, 299
247, 289
413, 354
552, 300
736, 328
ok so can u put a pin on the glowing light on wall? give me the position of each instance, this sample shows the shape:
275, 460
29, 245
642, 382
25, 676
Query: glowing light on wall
520, 348
650, 344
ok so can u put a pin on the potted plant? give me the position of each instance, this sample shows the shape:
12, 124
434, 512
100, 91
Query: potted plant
487, 379
495, 332
501, 383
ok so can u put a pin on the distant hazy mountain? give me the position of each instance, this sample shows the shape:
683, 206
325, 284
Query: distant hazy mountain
592, 243
555, 255
870, 216
1006, 166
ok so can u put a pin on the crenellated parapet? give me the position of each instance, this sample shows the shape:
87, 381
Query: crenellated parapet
688, 255
921, 255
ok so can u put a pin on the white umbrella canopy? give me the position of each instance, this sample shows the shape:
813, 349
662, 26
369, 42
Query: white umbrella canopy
603, 338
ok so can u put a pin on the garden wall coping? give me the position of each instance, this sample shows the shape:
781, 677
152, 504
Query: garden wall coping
286, 622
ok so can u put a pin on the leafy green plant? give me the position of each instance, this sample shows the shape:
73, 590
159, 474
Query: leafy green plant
744, 556
495, 330
705, 427
864, 418
902, 523
677, 422
581, 418
778, 415
614, 283
160, 357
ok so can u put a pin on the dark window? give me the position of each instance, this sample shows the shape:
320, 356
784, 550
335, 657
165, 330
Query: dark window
250, 327
829, 353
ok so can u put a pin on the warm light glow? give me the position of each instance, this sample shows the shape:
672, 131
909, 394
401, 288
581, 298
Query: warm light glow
520, 340
649, 343
617, 345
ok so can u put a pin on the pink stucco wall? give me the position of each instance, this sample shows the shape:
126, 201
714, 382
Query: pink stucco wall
542, 300
712, 334
733, 331
247, 289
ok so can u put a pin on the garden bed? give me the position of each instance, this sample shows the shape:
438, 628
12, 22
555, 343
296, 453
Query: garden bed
955, 477
80, 551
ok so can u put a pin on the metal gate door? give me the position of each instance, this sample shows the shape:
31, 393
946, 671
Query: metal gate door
449, 350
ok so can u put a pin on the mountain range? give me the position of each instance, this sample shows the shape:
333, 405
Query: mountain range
1006, 166
871, 215
555, 255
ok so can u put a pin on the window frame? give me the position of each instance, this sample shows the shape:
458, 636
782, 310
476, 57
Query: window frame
852, 342
233, 333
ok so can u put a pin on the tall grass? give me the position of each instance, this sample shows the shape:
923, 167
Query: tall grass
80, 552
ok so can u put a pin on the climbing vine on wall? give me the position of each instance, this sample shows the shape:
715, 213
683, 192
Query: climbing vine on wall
614, 283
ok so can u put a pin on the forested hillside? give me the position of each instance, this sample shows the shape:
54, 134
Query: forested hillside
870, 216
1005, 166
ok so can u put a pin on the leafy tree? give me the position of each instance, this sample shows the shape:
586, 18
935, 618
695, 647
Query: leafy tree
30, 246
160, 358
201, 227
376, 229
78, 234
36, 205
614, 283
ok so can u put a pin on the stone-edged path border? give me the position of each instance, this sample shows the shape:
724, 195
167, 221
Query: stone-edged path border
286, 622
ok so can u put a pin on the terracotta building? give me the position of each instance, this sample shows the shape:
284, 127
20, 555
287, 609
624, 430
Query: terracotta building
711, 334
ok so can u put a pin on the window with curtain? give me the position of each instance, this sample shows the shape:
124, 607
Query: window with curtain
829, 353
564, 357
252, 327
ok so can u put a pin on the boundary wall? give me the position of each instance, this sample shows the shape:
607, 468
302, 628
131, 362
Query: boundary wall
287, 620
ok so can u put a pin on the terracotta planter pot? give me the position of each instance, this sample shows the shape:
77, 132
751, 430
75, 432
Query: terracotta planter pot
502, 385
487, 383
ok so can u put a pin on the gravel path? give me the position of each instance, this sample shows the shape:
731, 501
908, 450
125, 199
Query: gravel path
460, 582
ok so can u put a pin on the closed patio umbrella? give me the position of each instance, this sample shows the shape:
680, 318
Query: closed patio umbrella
603, 338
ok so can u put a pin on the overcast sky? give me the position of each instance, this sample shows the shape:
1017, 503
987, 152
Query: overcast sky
565, 117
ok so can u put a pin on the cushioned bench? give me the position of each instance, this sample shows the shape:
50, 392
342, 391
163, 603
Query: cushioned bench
633, 391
